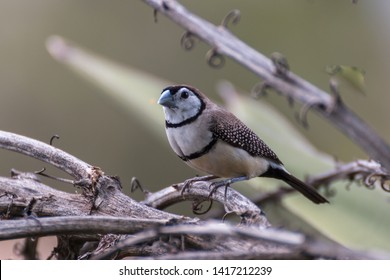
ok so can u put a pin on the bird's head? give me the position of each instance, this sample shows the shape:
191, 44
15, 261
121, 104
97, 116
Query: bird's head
181, 103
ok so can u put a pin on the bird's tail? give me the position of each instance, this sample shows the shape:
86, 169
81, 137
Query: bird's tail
308, 191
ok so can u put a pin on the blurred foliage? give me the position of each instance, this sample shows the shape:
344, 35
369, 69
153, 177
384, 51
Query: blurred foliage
40, 98
136, 90
349, 75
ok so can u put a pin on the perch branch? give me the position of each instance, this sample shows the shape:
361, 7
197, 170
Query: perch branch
77, 219
331, 108
234, 202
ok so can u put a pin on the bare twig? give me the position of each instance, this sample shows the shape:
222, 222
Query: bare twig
224, 42
47, 153
368, 171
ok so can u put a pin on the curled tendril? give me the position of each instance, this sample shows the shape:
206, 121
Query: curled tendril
224, 217
135, 185
370, 187
55, 136
155, 11
81, 182
370, 180
385, 186
282, 68
302, 115
187, 40
260, 90
197, 207
334, 89
215, 59
40, 172
281, 64
233, 17
216, 185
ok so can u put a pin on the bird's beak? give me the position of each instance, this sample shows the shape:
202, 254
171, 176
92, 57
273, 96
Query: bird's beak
166, 99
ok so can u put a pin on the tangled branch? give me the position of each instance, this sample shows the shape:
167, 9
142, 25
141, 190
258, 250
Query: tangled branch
329, 106
105, 223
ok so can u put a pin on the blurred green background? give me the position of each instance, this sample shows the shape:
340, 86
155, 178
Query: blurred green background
41, 97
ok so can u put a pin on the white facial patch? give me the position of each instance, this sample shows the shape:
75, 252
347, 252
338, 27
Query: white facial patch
187, 105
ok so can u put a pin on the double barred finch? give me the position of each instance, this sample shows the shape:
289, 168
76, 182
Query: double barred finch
214, 141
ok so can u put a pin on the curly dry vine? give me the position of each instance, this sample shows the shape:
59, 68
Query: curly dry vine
295, 87
369, 172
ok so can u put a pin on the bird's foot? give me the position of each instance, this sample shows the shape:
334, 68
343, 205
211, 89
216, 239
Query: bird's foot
225, 183
187, 183
216, 185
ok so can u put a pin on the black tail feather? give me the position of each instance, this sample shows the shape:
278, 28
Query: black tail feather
308, 191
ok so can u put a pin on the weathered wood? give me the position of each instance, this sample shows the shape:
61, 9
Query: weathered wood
30, 208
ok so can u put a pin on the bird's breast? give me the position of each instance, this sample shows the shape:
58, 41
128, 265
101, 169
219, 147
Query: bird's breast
220, 159
188, 140
226, 161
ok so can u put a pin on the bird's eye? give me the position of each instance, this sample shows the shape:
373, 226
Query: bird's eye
184, 94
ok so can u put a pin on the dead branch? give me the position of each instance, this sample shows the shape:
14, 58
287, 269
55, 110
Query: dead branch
369, 172
330, 107
18, 194
46, 153
284, 244
102, 222
73, 225
124, 227
233, 202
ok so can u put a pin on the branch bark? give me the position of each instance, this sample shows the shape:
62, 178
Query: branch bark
46, 153
368, 171
124, 227
233, 201
72, 225
328, 106
102, 207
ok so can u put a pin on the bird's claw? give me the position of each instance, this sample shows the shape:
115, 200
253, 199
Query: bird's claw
187, 183
216, 185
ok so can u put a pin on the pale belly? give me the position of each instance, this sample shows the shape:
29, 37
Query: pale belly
227, 162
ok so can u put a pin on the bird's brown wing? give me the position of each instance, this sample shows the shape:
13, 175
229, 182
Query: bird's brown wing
227, 127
